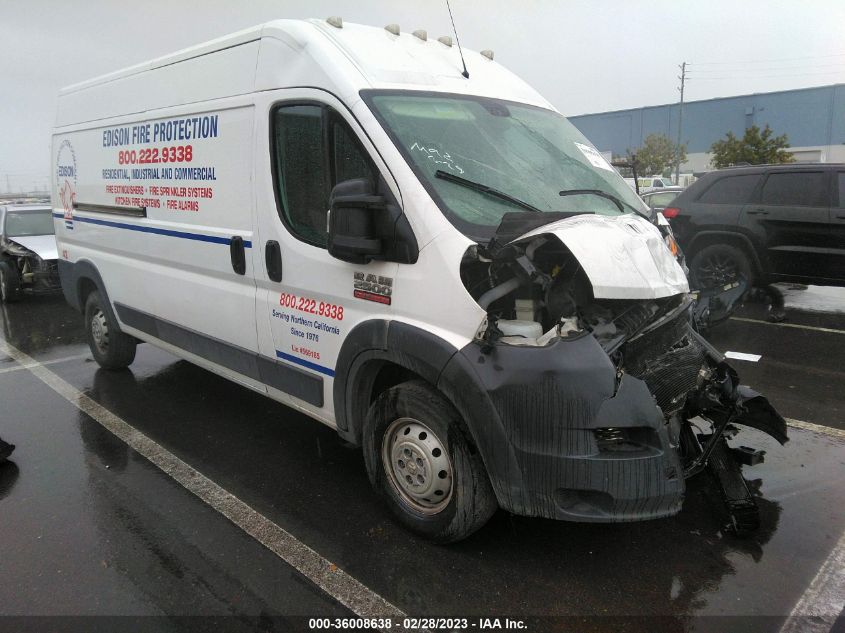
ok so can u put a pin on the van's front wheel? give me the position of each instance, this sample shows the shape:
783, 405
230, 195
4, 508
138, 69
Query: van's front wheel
111, 348
420, 459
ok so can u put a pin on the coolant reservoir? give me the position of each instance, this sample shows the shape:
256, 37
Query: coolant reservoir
516, 327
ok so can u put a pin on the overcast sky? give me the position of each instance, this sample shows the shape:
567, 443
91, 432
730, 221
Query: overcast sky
583, 56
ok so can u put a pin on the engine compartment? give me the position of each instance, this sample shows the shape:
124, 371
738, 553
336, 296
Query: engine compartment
542, 282
536, 291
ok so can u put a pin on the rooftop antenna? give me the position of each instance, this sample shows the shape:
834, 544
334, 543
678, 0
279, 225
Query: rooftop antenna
458, 40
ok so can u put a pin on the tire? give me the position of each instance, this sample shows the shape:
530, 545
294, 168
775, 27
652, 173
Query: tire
410, 425
719, 264
112, 349
10, 283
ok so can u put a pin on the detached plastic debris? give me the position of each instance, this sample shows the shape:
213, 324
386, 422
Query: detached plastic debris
715, 305
5, 450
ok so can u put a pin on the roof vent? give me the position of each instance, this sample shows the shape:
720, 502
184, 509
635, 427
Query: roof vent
488, 54
392, 28
336, 21
445, 40
421, 34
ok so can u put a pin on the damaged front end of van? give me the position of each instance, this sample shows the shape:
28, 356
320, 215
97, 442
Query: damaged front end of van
607, 396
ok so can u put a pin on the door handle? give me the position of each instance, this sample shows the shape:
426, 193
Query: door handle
236, 253
757, 212
841, 217
273, 260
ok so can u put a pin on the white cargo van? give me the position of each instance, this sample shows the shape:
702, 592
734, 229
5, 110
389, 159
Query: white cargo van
440, 267
649, 183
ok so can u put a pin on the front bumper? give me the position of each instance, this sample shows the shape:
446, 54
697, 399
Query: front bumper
44, 276
592, 480
542, 418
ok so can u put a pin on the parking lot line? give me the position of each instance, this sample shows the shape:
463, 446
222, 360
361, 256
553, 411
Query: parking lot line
817, 609
348, 591
815, 328
816, 428
53, 361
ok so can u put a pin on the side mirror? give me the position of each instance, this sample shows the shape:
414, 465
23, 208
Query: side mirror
354, 210
366, 222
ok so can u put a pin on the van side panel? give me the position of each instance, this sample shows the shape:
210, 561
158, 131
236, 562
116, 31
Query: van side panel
225, 73
173, 259
152, 188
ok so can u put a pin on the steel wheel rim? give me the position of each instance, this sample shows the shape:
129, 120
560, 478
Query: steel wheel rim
100, 330
417, 465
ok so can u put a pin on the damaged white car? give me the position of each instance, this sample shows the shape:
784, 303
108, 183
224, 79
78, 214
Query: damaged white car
28, 251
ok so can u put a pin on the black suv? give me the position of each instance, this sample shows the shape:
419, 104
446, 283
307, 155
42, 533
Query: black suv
768, 223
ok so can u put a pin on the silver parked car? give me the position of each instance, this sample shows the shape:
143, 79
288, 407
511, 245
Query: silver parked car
659, 199
28, 255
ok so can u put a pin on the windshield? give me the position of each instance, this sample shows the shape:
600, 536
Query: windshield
529, 153
22, 224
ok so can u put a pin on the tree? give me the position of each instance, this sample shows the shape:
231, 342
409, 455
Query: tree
658, 155
754, 148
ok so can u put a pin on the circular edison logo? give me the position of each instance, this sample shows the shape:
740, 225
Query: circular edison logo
66, 177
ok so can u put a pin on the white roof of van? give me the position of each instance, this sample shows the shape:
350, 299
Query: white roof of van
405, 61
220, 43
382, 60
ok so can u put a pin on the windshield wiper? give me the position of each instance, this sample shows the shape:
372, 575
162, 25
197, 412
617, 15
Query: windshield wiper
477, 186
621, 204
594, 192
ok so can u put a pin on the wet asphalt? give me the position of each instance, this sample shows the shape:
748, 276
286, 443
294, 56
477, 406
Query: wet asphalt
89, 527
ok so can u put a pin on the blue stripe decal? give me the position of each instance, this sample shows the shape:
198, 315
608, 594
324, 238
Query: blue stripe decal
306, 363
150, 229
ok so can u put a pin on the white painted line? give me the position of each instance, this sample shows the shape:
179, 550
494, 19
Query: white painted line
743, 356
352, 594
817, 428
792, 325
53, 361
822, 602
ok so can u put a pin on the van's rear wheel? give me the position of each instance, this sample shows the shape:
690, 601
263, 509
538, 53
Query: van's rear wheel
111, 348
421, 461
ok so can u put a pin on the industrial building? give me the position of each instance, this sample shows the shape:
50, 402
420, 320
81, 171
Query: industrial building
812, 118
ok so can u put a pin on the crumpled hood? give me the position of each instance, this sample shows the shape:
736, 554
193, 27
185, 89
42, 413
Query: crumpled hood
42, 245
623, 256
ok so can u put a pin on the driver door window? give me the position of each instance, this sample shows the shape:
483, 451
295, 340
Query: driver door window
313, 150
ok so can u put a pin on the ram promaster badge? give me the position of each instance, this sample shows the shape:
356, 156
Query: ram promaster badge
432, 261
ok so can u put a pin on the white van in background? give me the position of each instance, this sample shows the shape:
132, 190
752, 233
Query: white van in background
650, 183
440, 267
